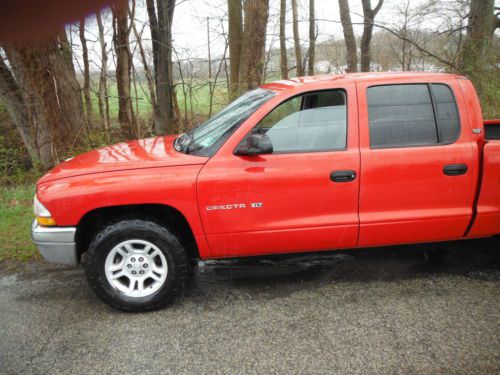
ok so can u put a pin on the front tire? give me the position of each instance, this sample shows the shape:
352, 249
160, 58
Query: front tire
136, 265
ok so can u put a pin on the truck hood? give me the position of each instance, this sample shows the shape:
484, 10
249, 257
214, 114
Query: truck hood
144, 153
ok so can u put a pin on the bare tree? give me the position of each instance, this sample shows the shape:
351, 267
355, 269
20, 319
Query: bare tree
121, 32
283, 54
160, 22
12, 99
369, 15
406, 56
213, 87
350, 40
235, 36
254, 39
184, 90
482, 25
86, 75
44, 78
296, 39
210, 105
103, 86
147, 70
269, 54
312, 38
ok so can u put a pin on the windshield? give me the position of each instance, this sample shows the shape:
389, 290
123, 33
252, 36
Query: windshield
206, 139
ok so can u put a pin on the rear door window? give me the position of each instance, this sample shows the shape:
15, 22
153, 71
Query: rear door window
412, 115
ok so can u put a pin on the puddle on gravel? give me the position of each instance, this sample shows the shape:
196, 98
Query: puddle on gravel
470, 258
222, 270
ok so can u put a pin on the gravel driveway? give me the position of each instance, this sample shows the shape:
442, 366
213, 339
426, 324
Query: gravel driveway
402, 310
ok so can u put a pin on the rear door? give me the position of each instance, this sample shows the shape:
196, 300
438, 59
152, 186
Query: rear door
290, 200
417, 162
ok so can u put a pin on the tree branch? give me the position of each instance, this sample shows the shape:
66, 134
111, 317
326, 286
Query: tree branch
377, 8
421, 49
413, 43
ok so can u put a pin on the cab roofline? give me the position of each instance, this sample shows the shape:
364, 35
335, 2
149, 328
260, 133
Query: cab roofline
293, 83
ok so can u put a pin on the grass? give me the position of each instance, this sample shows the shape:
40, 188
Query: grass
200, 99
16, 214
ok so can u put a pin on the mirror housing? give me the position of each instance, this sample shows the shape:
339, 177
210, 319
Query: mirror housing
255, 144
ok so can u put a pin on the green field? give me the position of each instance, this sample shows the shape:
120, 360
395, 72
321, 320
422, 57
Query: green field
16, 214
142, 105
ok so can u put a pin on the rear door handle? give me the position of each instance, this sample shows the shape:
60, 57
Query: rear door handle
343, 176
455, 169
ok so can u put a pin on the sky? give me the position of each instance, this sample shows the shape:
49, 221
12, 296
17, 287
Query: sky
190, 24
190, 20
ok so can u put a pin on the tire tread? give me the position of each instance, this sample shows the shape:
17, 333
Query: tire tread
182, 262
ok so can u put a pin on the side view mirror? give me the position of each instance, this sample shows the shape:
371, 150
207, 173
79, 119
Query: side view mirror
255, 144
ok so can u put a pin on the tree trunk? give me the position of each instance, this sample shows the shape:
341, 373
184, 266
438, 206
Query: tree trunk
254, 39
210, 92
296, 39
312, 38
214, 85
51, 96
123, 69
350, 40
166, 120
103, 86
184, 94
153, 25
482, 24
369, 15
147, 70
283, 56
235, 36
12, 99
86, 76
165, 90
158, 120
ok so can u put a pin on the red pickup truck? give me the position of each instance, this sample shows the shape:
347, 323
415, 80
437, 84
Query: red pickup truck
313, 163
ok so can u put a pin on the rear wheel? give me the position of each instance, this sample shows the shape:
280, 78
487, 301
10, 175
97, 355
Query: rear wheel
136, 265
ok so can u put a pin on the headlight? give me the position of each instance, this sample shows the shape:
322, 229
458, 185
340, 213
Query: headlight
42, 215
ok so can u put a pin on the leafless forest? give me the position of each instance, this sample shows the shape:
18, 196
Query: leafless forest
120, 74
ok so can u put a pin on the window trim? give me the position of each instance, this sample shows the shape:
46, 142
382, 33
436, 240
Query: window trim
306, 151
435, 115
434, 106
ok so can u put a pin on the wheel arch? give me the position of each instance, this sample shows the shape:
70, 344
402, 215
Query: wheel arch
95, 220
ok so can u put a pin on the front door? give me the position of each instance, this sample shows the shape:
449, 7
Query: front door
303, 196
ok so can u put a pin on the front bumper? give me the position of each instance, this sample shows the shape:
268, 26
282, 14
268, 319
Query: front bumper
56, 244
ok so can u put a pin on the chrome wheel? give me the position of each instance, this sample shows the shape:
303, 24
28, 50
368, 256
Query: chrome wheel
136, 268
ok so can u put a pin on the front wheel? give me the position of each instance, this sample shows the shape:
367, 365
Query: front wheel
136, 265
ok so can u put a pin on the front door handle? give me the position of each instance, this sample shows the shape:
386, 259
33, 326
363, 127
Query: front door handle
343, 176
455, 169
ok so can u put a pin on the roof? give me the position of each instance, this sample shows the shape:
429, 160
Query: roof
288, 84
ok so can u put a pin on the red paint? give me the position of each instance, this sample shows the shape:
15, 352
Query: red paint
400, 195
405, 196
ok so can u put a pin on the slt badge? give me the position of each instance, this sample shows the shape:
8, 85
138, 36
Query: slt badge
234, 206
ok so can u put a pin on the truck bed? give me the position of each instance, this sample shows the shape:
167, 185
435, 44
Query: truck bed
492, 129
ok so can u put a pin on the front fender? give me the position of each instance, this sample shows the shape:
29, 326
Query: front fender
69, 199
